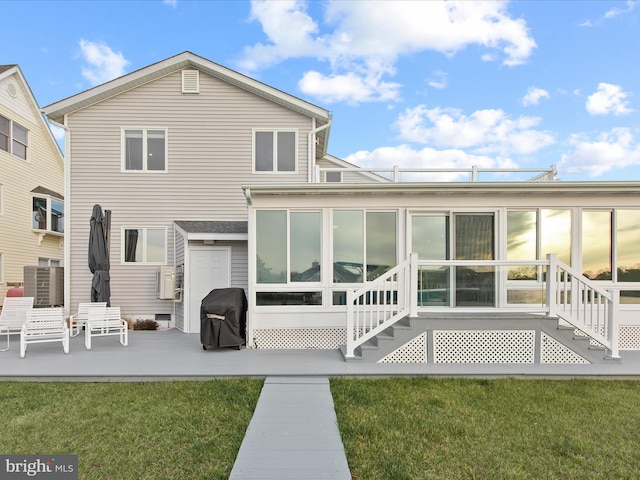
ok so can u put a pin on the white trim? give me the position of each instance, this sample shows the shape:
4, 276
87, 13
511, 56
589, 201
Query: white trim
274, 167
123, 150
144, 244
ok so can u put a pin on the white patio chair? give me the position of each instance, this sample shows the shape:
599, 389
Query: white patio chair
107, 322
13, 315
80, 319
44, 325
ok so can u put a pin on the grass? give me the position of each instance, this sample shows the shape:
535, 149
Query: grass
425, 428
165, 430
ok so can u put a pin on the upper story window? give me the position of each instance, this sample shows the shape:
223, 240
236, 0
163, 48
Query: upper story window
14, 138
144, 150
47, 212
274, 151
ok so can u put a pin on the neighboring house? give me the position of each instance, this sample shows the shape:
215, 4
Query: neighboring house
31, 184
219, 180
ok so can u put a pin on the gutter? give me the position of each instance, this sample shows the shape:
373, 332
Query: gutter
311, 151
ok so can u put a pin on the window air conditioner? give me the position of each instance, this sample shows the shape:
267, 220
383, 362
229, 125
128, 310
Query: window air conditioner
166, 283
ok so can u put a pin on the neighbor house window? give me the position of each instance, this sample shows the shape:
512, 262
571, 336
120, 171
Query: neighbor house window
144, 150
144, 245
274, 151
48, 262
47, 214
13, 138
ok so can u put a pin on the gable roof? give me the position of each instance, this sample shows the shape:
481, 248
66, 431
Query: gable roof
7, 71
57, 111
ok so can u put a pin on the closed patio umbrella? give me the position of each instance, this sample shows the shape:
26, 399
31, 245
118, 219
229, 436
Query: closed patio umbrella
99, 257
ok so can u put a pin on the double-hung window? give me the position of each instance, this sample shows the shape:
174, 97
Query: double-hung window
144, 245
144, 150
274, 151
14, 138
47, 214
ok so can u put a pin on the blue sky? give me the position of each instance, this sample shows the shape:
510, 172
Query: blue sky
417, 84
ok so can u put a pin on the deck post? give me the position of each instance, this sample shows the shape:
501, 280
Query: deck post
413, 285
613, 327
552, 286
350, 347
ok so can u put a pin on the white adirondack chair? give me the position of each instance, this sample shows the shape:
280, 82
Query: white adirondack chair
13, 315
80, 319
44, 325
106, 322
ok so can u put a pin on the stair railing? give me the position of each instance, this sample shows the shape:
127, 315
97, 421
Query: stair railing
380, 303
583, 304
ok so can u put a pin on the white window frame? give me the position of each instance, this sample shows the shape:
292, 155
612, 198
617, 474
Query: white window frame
142, 231
49, 200
145, 130
274, 167
11, 139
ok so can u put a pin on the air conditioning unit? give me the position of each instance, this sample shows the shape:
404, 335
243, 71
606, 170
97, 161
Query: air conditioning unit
166, 283
45, 285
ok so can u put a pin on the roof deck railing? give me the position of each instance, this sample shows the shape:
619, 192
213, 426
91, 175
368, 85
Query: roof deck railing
393, 174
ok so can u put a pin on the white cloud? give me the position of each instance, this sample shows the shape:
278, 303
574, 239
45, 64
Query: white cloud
171, 3
611, 150
608, 99
615, 11
404, 156
366, 41
534, 95
484, 131
102, 63
349, 88
438, 80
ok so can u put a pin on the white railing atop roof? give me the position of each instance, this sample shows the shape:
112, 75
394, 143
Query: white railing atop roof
570, 296
544, 174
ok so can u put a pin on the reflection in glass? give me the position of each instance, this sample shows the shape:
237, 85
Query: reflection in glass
381, 243
132, 246
288, 298
555, 226
521, 243
305, 234
628, 245
596, 245
430, 236
475, 240
39, 213
133, 149
433, 286
286, 151
348, 246
271, 246
155, 150
264, 151
57, 216
156, 241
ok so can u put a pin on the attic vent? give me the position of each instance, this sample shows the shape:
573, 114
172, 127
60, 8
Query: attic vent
11, 88
190, 81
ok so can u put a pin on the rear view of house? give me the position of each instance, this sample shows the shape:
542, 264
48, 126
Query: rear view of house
31, 184
166, 150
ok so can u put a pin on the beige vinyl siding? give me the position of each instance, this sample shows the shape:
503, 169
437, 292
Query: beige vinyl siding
209, 138
19, 244
179, 262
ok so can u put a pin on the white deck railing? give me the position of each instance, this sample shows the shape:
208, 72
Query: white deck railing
394, 173
570, 296
583, 304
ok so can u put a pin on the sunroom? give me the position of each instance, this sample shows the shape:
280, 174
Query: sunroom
481, 249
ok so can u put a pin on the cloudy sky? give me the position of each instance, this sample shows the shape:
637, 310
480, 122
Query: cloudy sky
427, 84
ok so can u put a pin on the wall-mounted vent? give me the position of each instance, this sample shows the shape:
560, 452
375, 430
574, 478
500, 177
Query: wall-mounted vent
190, 81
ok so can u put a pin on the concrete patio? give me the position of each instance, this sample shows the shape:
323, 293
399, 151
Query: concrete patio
173, 355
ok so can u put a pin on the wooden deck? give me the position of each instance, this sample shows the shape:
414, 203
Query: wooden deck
170, 354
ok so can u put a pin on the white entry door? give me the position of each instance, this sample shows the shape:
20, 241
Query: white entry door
209, 268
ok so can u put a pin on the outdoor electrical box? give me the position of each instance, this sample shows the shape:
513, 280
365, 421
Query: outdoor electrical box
166, 283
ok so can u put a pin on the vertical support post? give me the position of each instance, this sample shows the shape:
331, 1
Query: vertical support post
396, 173
350, 353
413, 285
552, 284
474, 173
613, 330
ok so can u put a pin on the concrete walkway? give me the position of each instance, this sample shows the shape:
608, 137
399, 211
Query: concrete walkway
293, 434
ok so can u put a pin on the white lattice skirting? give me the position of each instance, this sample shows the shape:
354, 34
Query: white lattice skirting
295, 338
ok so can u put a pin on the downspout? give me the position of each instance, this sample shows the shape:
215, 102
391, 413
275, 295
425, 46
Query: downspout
312, 151
67, 210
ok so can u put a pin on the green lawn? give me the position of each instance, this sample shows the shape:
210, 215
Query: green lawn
155, 431
426, 428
